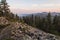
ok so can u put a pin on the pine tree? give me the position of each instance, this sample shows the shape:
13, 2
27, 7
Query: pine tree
49, 18
5, 8
55, 20
49, 24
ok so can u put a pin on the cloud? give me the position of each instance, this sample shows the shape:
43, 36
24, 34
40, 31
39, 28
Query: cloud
35, 5
39, 6
22, 11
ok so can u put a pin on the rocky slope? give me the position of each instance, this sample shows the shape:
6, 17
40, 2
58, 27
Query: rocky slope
21, 31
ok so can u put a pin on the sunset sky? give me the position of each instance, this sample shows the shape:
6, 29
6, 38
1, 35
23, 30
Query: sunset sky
32, 6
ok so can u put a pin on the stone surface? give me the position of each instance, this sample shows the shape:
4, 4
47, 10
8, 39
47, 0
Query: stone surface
19, 31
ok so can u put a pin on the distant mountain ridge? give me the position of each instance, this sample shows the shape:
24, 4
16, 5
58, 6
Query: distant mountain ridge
42, 14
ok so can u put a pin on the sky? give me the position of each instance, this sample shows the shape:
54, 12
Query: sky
34, 6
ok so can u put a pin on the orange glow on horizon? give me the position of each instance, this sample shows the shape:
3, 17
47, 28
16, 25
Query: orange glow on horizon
35, 10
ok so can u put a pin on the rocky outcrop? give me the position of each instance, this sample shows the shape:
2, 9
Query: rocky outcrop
20, 31
3, 21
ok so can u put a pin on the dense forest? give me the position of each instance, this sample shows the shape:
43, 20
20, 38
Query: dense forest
47, 24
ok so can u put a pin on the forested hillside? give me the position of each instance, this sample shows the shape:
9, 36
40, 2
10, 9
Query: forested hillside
46, 23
